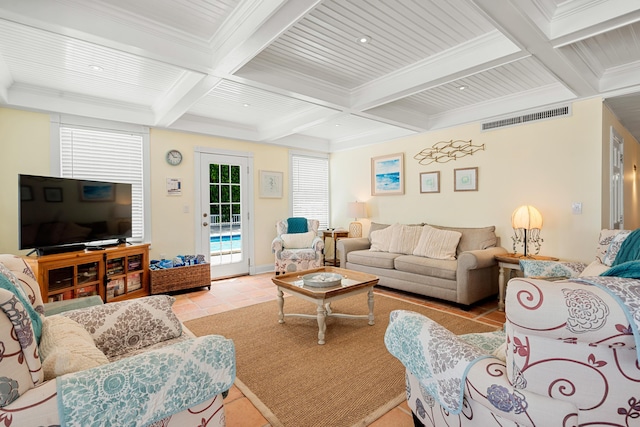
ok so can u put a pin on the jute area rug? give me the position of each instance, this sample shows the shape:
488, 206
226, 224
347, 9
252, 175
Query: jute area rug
350, 381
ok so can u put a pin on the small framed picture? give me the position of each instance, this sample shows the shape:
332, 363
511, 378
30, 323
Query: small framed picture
387, 175
53, 194
271, 184
430, 182
465, 179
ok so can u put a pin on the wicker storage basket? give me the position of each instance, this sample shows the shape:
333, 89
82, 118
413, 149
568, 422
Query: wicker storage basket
179, 278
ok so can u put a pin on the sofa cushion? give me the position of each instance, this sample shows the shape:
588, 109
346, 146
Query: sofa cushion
375, 226
372, 259
474, 238
440, 268
381, 239
438, 244
67, 347
404, 240
298, 240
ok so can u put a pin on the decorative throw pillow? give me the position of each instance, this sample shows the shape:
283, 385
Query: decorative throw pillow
297, 225
438, 244
604, 240
405, 240
298, 240
381, 239
124, 326
614, 247
67, 347
596, 268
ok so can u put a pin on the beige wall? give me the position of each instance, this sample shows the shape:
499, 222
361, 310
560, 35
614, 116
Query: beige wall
24, 138
547, 164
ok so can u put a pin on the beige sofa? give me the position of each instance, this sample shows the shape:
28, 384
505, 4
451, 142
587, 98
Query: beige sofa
428, 260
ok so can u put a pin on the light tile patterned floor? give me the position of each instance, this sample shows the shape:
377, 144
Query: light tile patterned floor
242, 291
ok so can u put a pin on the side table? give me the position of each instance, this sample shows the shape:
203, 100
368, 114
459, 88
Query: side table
511, 262
335, 235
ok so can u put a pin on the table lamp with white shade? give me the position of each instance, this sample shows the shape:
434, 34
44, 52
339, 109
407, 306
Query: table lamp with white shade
356, 210
527, 223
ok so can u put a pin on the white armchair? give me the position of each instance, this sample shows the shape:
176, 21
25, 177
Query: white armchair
297, 251
569, 358
124, 363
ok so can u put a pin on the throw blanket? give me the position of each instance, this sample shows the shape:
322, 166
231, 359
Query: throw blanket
432, 354
626, 292
149, 387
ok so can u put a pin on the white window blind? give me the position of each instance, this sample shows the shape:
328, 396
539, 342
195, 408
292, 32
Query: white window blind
106, 155
310, 188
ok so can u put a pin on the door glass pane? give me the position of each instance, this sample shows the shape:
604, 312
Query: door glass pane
225, 189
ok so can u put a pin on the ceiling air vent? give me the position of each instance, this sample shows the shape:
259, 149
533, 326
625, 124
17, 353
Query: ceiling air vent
531, 117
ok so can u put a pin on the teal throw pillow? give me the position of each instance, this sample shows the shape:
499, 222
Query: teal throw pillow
297, 225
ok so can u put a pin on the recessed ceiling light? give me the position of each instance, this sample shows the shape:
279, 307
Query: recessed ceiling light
462, 87
246, 105
96, 67
364, 39
337, 124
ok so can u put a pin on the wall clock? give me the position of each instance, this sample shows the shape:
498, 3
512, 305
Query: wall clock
174, 157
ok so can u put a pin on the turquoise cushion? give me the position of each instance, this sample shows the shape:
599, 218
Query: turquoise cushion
297, 225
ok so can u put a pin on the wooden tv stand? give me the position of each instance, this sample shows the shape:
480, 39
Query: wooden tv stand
115, 273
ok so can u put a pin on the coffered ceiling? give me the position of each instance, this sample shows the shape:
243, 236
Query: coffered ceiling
294, 72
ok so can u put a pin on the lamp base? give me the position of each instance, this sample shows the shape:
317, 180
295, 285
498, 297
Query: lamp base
355, 229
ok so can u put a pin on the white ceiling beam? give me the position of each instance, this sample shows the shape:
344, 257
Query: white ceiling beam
208, 126
254, 25
182, 96
49, 100
297, 123
465, 59
525, 33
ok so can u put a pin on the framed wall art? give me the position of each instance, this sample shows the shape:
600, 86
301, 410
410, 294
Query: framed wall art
465, 179
271, 184
387, 175
430, 182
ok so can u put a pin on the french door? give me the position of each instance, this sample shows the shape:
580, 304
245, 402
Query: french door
616, 214
223, 228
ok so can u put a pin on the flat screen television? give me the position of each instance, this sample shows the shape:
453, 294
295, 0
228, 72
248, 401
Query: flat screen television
57, 212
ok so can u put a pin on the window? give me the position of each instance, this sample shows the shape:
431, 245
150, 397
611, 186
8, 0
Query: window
310, 187
106, 155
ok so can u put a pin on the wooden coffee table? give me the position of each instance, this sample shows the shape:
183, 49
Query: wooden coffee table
353, 283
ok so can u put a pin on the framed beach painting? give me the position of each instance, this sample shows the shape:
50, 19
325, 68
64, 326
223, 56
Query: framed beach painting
387, 175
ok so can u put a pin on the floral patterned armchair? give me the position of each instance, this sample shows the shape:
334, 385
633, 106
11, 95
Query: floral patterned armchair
126, 363
568, 357
297, 250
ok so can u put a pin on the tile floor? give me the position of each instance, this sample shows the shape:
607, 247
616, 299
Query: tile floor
237, 292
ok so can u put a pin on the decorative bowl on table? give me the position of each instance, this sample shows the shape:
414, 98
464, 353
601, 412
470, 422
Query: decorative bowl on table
322, 280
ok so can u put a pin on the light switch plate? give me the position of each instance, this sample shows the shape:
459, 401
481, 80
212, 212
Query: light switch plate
576, 208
